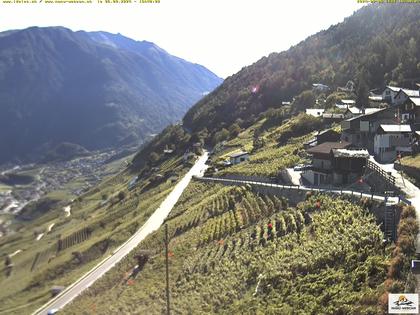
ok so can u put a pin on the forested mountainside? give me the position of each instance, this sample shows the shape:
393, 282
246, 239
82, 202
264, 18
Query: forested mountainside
378, 44
95, 90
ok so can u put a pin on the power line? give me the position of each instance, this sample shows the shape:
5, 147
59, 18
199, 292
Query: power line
167, 269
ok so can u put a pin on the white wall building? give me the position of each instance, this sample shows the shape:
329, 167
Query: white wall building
316, 112
388, 95
239, 157
391, 140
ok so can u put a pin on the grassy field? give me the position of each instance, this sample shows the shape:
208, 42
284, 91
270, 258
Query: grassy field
233, 251
413, 161
100, 220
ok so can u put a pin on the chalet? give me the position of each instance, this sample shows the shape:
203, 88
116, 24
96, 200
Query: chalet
404, 94
344, 104
239, 157
348, 165
356, 111
328, 135
360, 130
388, 95
409, 112
334, 163
316, 112
391, 140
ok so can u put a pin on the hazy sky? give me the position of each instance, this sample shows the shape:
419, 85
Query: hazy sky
223, 35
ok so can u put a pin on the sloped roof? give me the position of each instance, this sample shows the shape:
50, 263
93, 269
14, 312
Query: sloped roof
354, 110
367, 114
415, 100
357, 110
235, 155
410, 93
350, 153
394, 88
325, 131
376, 98
326, 147
332, 115
396, 128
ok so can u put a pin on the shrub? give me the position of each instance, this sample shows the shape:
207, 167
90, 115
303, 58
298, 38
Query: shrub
408, 212
121, 195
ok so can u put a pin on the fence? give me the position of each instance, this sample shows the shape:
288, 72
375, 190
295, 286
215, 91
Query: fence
390, 179
384, 197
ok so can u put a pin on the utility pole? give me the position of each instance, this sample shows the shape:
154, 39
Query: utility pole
167, 269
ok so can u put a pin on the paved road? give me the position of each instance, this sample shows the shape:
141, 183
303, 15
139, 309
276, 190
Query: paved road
411, 190
152, 224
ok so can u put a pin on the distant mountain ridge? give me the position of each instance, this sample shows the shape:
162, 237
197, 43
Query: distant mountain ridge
93, 89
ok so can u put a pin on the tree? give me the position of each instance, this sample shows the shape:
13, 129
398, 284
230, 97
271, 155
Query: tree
362, 92
121, 195
220, 136
154, 157
234, 130
304, 100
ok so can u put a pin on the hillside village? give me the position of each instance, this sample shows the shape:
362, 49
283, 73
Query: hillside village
361, 140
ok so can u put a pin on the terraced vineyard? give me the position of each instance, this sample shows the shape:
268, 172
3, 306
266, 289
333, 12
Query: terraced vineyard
234, 251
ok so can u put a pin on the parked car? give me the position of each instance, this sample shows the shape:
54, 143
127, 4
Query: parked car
300, 167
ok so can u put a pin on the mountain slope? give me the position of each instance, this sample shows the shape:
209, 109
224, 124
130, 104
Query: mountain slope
93, 89
380, 43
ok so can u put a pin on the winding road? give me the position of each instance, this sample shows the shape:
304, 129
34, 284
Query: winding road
152, 224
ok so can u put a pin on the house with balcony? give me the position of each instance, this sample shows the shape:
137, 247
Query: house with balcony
409, 112
391, 140
360, 130
404, 94
334, 163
